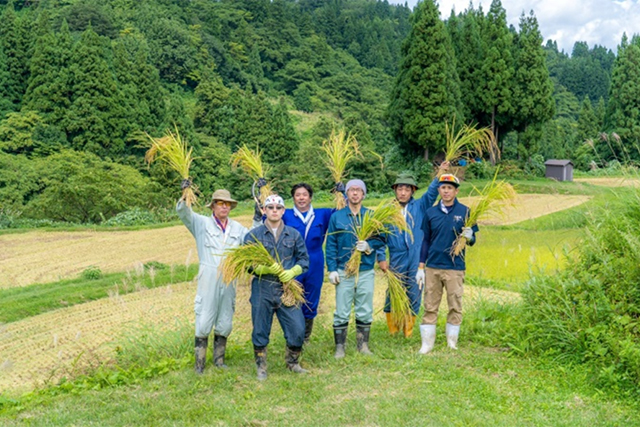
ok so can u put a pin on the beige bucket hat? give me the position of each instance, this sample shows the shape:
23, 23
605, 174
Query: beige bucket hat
223, 196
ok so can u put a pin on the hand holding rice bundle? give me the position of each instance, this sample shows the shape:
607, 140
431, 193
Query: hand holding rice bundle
172, 150
340, 148
251, 163
254, 258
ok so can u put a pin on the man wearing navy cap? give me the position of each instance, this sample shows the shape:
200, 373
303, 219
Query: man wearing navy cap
442, 225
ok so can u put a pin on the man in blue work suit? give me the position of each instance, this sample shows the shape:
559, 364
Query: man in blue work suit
312, 224
356, 290
442, 225
286, 245
404, 248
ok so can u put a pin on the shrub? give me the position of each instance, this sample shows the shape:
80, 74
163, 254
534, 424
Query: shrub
91, 273
480, 170
135, 216
590, 313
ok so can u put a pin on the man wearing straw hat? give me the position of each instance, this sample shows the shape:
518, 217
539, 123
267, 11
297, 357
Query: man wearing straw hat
286, 245
355, 290
404, 248
442, 225
215, 300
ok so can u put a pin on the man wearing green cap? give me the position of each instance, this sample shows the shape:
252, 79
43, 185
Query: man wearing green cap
404, 247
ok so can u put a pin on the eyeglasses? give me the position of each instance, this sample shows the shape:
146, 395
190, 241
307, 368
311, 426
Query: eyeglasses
222, 203
271, 207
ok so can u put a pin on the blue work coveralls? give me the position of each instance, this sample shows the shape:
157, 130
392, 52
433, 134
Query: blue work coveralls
266, 290
313, 234
404, 251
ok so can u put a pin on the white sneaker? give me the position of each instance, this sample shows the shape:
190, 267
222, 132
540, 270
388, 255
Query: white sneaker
452, 336
428, 334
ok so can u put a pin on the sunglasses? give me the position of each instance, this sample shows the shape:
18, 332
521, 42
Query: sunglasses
221, 204
271, 207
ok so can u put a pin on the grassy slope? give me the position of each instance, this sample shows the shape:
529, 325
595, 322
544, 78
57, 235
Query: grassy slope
476, 386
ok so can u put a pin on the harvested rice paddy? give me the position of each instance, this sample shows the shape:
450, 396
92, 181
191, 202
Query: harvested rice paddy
64, 342
611, 182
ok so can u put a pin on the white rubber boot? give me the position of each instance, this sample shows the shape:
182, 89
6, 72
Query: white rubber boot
428, 334
452, 336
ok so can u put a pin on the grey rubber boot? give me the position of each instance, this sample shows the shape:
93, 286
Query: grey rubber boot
362, 337
261, 363
308, 327
340, 337
292, 357
201, 354
219, 349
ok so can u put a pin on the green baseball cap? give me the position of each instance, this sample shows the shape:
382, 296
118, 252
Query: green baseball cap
405, 178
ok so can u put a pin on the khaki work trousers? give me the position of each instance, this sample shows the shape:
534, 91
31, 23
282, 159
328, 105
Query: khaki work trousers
437, 280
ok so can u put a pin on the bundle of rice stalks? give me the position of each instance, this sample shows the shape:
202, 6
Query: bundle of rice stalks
172, 150
470, 141
401, 308
250, 161
492, 201
239, 260
340, 148
382, 220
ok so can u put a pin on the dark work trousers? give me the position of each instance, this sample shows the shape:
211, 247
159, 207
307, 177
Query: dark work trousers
265, 301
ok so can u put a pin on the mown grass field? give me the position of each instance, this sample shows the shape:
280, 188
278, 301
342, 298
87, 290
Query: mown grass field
135, 346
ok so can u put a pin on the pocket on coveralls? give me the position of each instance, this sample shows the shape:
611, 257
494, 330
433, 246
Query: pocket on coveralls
197, 304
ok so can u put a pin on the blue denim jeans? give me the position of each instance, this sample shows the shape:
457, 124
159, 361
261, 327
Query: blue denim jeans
265, 302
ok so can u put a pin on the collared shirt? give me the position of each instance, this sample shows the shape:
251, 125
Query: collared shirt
341, 240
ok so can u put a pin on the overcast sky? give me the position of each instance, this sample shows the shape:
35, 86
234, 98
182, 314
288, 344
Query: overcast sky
565, 21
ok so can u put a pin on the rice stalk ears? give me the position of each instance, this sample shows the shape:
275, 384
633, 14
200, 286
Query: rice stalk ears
238, 261
173, 151
469, 140
340, 148
401, 308
250, 162
492, 201
385, 219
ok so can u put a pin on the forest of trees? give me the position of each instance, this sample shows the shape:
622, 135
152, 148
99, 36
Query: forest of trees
83, 81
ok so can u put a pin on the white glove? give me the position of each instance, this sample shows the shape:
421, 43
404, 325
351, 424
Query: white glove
420, 277
363, 246
467, 233
334, 278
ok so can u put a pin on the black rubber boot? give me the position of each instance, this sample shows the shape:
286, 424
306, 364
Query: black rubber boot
362, 337
219, 349
340, 337
201, 354
261, 362
292, 357
308, 327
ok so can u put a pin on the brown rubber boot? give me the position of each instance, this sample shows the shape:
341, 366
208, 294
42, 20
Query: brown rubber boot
219, 349
407, 328
261, 363
201, 354
393, 327
292, 358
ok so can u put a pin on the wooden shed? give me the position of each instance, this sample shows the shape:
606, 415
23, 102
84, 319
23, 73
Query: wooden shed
560, 170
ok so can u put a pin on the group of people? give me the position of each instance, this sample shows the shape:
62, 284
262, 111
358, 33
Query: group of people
421, 256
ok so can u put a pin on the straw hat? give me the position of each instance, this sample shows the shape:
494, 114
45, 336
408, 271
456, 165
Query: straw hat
223, 196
